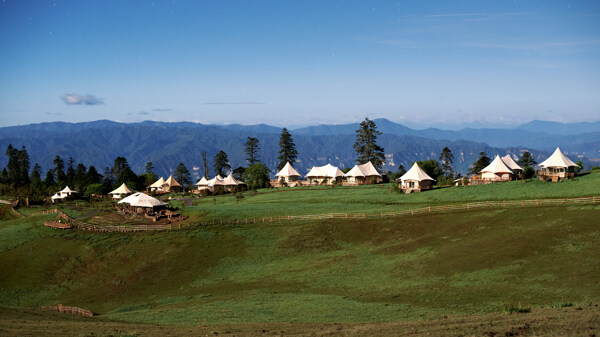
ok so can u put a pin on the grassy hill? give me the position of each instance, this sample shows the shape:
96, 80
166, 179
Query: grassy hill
380, 198
371, 270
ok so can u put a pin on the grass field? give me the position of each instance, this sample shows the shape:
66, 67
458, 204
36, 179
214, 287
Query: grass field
359, 272
380, 198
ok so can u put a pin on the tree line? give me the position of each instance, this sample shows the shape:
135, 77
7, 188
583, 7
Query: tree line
16, 179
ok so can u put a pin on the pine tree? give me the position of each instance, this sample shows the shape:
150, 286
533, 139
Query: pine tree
59, 171
107, 180
480, 163
527, 160
221, 163
49, 181
80, 177
252, 148
182, 175
366, 144
70, 172
446, 157
149, 168
12, 169
92, 176
23, 167
36, 176
287, 152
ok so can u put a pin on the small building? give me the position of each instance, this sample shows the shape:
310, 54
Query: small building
557, 167
140, 199
512, 165
171, 185
120, 192
287, 176
325, 175
202, 184
157, 185
496, 171
63, 194
362, 174
415, 180
231, 184
216, 184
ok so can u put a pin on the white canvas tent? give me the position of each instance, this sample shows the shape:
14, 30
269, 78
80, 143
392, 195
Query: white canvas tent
496, 171
363, 174
157, 184
202, 184
63, 194
326, 174
121, 191
140, 199
416, 180
171, 185
511, 164
558, 166
288, 173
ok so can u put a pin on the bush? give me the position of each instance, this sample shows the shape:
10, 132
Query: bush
516, 308
528, 172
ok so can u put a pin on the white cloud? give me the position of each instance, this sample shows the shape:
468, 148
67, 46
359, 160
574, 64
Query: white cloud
72, 98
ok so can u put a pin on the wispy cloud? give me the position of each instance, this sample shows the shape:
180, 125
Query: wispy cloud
53, 113
162, 110
234, 103
143, 113
533, 46
72, 98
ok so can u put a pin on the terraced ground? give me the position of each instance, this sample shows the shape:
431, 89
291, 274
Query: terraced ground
381, 276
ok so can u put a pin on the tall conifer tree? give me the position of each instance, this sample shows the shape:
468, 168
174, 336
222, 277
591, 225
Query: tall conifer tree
287, 152
366, 144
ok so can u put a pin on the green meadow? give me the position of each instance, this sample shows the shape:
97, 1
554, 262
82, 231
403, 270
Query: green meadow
369, 270
378, 198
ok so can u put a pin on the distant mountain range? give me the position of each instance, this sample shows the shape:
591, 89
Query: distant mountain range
98, 143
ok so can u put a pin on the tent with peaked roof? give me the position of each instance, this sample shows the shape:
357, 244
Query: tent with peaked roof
496, 171
157, 185
231, 183
363, 174
511, 164
121, 191
324, 174
202, 184
416, 180
288, 173
558, 166
216, 184
63, 194
171, 185
140, 199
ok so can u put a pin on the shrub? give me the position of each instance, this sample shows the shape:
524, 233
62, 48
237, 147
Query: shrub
528, 172
516, 308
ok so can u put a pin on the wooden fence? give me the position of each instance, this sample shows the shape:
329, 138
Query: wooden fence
345, 216
69, 310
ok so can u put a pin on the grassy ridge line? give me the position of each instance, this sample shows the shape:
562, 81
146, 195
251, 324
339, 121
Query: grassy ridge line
379, 199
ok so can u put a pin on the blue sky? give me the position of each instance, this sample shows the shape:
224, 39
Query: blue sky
291, 63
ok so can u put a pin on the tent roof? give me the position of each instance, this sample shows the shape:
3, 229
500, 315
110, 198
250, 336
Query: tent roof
511, 163
67, 190
141, 200
158, 183
171, 181
123, 189
558, 159
416, 173
328, 170
354, 172
56, 196
202, 182
231, 181
216, 181
287, 171
497, 166
363, 170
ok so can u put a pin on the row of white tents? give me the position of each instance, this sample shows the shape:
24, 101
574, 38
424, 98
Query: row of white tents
415, 179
